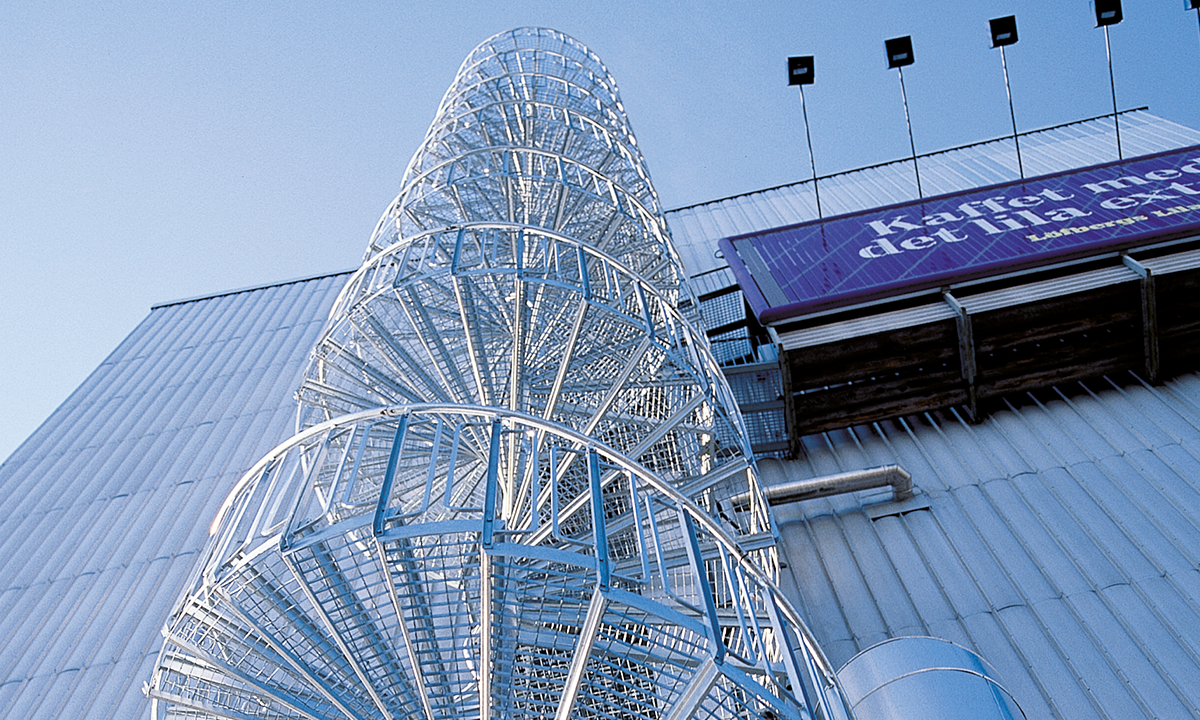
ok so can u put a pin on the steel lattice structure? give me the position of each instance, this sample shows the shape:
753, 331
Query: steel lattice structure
520, 485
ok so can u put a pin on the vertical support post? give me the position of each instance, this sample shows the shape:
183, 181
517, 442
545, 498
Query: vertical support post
911, 145
599, 532
966, 352
485, 634
1012, 114
704, 587
1113, 87
1149, 318
389, 477
485, 573
493, 480
789, 404
812, 163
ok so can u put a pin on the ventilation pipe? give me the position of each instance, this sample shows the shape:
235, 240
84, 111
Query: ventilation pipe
853, 481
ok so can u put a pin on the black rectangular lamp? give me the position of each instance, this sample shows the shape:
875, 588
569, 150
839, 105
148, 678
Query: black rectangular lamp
800, 69
1108, 12
1004, 30
899, 51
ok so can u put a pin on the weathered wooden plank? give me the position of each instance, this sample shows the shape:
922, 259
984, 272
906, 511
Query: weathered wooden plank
1049, 320
1178, 299
905, 350
867, 401
1018, 348
1055, 375
1099, 348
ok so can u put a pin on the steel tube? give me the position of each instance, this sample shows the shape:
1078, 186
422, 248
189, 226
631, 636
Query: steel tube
853, 481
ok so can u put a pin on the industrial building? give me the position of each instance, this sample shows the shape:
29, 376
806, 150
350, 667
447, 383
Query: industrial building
1045, 406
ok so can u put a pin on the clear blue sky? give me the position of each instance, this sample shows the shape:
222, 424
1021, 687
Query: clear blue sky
151, 151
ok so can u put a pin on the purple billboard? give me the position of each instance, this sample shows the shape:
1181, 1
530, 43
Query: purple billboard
923, 245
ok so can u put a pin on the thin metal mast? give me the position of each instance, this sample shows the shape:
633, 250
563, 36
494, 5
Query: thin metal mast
912, 146
1011, 114
811, 160
1113, 87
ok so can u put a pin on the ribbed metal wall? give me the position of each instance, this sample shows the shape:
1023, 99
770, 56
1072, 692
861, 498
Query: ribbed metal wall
104, 507
1058, 539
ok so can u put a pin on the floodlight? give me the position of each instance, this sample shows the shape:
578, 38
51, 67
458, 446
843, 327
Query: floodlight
1108, 12
1193, 5
800, 70
1004, 30
899, 51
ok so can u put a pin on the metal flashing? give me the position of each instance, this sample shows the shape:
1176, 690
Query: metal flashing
251, 288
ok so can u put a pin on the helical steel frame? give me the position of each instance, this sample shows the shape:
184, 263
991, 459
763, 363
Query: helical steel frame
520, 486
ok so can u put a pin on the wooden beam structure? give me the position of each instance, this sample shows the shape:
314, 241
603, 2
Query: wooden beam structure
967, 345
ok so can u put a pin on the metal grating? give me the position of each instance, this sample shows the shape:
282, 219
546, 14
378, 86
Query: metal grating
520, 484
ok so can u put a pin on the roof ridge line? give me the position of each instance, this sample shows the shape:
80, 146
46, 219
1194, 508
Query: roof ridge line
250, 288
885, 163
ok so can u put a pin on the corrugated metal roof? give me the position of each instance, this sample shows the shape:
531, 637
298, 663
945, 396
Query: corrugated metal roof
104, 507
1058, 540
697, 228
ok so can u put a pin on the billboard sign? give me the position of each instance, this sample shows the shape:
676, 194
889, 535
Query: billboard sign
926, 244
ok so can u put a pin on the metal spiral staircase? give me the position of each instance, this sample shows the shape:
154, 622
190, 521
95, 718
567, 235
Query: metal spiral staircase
520, 487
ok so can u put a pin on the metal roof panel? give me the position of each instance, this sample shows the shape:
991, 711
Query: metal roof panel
1058, 543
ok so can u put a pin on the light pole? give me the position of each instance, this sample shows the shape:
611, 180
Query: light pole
900, 53
1193, 5
1004, 32
800, 73
1108, 12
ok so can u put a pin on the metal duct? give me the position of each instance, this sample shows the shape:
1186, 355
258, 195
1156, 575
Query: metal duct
852, 481
787, 492
927, 678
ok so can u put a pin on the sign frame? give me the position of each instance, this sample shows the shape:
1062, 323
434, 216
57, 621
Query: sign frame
785, 272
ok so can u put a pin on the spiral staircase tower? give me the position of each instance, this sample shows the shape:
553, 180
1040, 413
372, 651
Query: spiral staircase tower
520, 486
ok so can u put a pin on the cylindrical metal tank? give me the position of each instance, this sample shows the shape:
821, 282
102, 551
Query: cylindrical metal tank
927, 678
